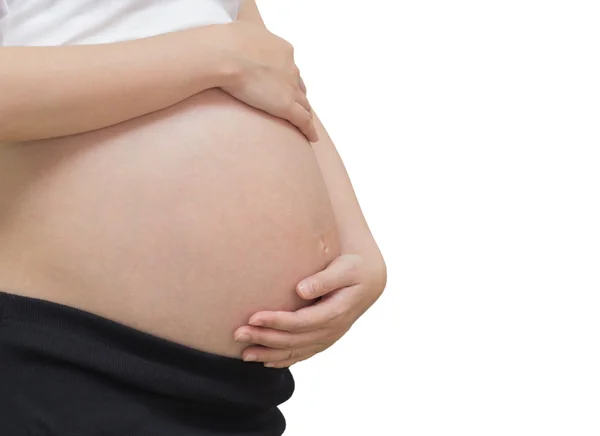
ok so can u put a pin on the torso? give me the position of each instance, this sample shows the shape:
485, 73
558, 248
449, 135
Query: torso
181, 223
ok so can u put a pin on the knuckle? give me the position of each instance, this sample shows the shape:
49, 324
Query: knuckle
352, 266
357, 264
352, 271
289, 47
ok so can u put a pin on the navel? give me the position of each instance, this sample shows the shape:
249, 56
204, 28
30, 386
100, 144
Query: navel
323, 244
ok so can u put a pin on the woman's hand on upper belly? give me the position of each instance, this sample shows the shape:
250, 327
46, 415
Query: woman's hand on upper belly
345, 290
262, 73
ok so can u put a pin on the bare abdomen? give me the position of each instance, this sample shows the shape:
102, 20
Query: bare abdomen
180, 223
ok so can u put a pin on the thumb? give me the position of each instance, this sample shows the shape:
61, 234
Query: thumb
340, 273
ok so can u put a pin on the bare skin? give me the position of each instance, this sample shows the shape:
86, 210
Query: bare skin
348, 285
64, 90
174, 223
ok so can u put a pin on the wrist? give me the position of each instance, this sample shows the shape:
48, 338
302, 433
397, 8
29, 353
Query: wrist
197, 58
216, 58
213, 68
228, 70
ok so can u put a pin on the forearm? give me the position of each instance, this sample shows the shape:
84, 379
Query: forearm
355, 235
55, 91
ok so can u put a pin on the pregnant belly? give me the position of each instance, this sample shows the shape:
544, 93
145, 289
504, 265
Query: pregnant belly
181, 223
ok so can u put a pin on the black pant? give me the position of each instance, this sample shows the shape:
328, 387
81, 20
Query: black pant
68, 372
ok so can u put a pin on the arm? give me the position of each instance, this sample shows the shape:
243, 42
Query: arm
355, 235
56, 91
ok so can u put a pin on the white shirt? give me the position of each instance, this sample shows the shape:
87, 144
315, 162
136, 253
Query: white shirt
61, 22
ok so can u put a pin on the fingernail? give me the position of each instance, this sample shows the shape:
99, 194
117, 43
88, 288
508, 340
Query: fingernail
244, 337
250, 358
305, 289
256, 322
269, 365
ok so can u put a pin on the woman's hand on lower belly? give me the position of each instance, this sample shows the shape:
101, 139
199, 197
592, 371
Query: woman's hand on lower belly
344, 291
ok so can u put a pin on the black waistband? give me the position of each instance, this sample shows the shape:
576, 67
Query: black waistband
138, 360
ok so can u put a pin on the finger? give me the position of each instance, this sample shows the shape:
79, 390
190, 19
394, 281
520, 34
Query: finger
267, 354
307, 319
286, 363
277, 338
302, 85
342, 271
303, 100
303, 119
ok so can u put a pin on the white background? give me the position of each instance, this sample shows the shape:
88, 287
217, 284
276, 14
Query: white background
471, 131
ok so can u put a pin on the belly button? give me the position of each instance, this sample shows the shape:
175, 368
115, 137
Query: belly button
323, 244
